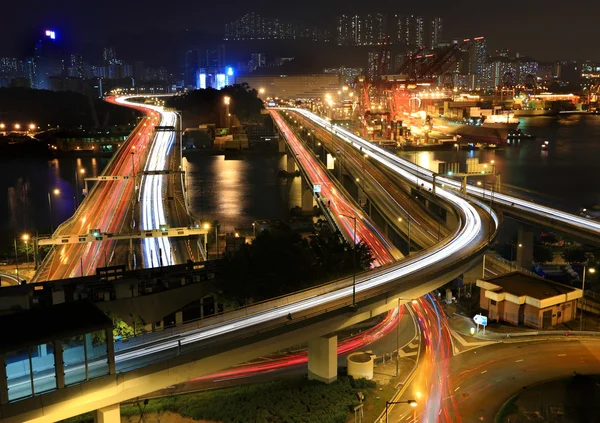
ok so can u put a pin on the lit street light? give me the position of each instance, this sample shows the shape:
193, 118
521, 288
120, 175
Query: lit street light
592, 271
227, 101
25, 238
412, 403
207, 227
55, 191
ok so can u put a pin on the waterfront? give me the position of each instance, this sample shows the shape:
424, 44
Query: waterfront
237, 192
561, 175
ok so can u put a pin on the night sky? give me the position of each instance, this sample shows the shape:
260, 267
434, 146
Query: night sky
545, 30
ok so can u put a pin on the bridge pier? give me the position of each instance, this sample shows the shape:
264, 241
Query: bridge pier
281, 147
474, 273
322, 359
110, 414
525, 246
307, 197
291, 163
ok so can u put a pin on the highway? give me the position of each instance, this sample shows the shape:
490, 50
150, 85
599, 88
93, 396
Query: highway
540, 214
392, 201
110, 206
106, 207
416, 276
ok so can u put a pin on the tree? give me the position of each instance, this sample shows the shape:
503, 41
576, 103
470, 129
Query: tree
574, 254
542, 254
280, 261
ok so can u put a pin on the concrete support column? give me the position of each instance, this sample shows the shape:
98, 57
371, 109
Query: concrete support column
3, 381
178, 318
59, 364
110, 352
110, 414
281, 145
291, 163
362, 196
476, 272
525, 246
322, 359
307, 197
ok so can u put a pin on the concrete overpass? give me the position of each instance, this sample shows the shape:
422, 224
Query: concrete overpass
527, 211
241, 335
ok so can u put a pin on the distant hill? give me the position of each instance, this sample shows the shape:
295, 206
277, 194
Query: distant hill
65, 109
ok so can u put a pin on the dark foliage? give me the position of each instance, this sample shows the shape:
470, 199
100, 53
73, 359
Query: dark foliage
64, 109
280, 261
206, 106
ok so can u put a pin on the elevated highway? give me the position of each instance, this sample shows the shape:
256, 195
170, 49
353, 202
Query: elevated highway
584, 229
213, 344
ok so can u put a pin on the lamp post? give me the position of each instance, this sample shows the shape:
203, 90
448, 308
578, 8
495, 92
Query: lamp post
25, 238
77, 172
353, 260
412, 403
227, 101
16, 260
207, 227
55, 191
592, 271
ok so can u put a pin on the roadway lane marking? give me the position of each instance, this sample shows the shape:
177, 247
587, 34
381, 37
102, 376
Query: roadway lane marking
485, 371
457, 389
562, 355
518, 361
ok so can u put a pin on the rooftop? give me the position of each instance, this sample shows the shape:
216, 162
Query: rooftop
45, 324
521, 284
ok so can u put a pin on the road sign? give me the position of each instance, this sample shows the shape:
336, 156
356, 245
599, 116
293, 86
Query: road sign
480, 320
317, 189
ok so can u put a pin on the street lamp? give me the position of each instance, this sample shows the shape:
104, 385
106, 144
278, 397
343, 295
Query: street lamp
353, 259
227, 101
55, 191
592, 271
82, 172
412, 403
25, 238
207, 227
17, 261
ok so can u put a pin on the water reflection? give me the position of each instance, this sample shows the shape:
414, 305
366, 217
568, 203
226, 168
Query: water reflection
24, 187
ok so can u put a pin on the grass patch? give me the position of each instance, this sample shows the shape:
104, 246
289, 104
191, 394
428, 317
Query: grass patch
295, 400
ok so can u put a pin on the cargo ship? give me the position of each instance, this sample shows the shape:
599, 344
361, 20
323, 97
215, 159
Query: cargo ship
492, 129
464, 119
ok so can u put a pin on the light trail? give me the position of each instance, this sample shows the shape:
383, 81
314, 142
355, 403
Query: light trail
504, 199
464, 240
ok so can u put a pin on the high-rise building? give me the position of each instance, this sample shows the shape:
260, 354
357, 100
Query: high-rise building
110, 56
378, 65
356, 26
478, 60
76, 68
252, 26
344, 30
192, 67
48, 60
374, 29
416, 31
257, 60
437, 26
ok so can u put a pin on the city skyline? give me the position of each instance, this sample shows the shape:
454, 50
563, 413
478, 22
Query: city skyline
544, 33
